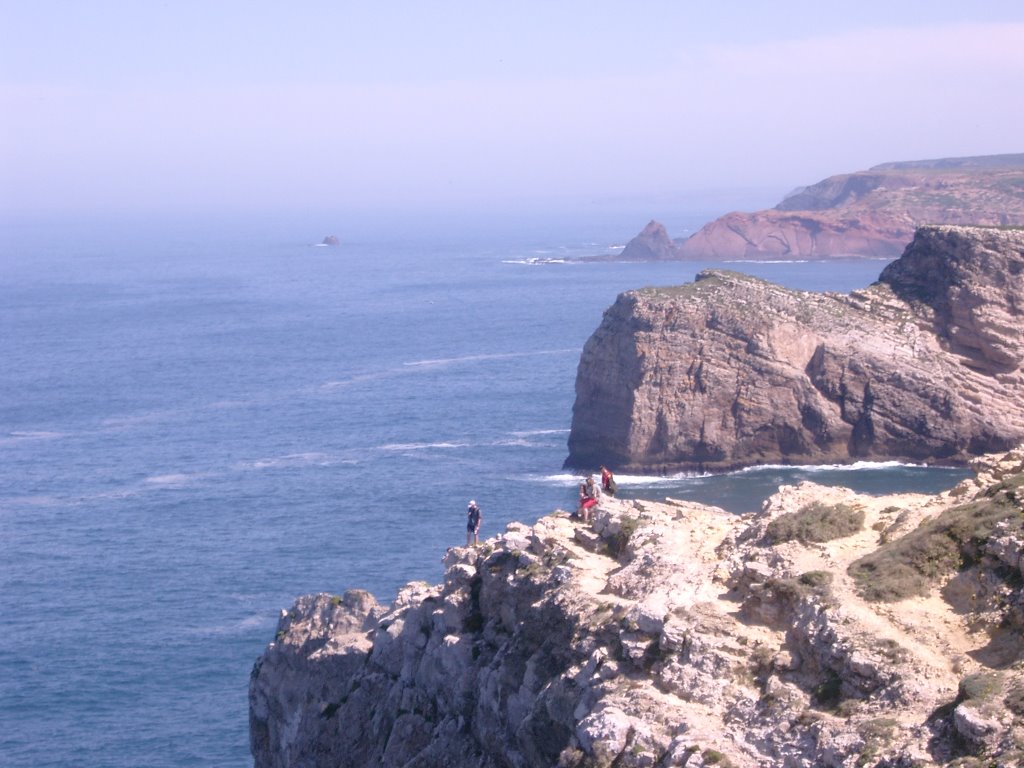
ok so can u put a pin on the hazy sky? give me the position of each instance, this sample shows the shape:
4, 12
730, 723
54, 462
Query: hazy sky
179, 105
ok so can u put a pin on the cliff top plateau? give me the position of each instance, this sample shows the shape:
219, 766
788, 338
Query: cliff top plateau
830, 629
868, 214
730, 370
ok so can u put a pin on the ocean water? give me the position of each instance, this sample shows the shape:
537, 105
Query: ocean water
200, 421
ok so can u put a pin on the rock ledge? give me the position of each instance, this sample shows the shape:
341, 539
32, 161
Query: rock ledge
670, 634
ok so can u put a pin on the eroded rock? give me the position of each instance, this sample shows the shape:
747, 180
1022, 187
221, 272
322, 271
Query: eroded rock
730, 370
679, 635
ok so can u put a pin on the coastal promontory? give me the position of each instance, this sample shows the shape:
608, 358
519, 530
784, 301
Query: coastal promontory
828, 629
730, 370
870, 213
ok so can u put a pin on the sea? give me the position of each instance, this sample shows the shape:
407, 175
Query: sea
203, 417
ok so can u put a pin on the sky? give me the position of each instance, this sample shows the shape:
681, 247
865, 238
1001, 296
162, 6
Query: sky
233, 105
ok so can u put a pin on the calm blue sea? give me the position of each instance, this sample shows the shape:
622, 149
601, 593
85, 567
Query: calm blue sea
201, 420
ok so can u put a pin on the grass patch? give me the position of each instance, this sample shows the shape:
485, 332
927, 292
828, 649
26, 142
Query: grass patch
817, 581
979, 687
714, 757
909, 566
1014, 700
816, 522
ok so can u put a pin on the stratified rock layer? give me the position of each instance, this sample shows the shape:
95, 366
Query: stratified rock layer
730, 371
672, 634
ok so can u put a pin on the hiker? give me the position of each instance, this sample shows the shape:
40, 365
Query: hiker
473, 518
608, 484
588, 498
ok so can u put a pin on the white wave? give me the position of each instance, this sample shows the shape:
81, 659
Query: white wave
811, 468
256, 621
485, 357
679, 478
616, 247
535, 261
766, 261
29, 435
291, 460
531, 432
121, 422
513, 442
223, 405
563, 478
419, 446
31, 501
171, 480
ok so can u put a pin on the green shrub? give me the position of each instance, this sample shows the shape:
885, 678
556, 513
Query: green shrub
980, 686
907, 567
1014, 700
714, 757
829, 693
817, 581
816, 522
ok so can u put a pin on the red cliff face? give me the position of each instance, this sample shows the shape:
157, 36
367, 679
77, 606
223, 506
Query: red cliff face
731, 371
869, 214
799, 235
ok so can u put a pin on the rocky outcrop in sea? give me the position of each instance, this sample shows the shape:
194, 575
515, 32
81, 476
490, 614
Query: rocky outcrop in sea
830, 629
730, 370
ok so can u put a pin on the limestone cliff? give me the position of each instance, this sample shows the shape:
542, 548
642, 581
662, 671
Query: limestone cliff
830, 629
730, 371
870, 213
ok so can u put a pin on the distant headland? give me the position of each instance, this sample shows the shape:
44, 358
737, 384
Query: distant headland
867, 214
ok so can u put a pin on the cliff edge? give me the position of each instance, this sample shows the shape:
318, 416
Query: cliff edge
830, 629
730, 370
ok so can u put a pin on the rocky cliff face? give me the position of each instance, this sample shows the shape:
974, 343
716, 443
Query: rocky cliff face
729, 371
870, 213
674, 634
652, 244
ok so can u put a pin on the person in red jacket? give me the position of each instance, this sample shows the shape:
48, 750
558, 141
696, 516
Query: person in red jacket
608, 484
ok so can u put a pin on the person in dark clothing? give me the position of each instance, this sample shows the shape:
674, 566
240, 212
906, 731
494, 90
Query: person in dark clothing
473, 518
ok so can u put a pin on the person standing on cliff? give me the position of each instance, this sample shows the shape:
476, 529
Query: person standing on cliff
608, 484
589, 496
473, 518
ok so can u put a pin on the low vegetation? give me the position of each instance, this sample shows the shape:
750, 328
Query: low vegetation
911, 565
816, 522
